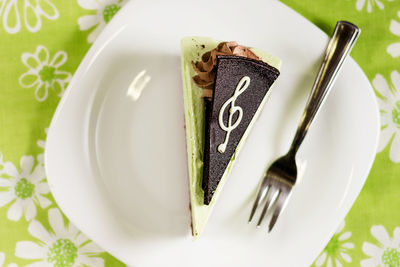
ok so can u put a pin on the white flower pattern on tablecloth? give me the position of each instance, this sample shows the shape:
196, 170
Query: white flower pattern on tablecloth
2, 259
386, 253
65, 246
370, 4
44, 72
15, 12
25, 189
105, 11
394, 49
42, 145
389, 103
336, 252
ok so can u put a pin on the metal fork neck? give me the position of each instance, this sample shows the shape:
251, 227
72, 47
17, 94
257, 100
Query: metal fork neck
342, 41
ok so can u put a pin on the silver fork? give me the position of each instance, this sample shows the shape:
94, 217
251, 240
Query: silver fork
281, 176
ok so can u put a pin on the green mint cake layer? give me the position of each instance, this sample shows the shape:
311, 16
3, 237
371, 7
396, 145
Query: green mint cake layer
195, 119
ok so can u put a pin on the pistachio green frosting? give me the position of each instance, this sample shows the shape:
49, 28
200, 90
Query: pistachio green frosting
192, 50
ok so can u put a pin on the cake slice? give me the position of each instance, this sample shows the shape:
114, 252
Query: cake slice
225, 87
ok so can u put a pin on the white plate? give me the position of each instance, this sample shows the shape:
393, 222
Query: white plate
117, 167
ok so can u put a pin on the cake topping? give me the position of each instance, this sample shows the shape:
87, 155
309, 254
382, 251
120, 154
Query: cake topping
206, 68
241, 85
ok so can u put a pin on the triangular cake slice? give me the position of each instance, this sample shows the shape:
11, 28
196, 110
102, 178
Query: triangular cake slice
225, 87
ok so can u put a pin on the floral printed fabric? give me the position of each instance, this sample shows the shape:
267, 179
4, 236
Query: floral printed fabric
338, 249
25, 189
370, 236
44, 72
105, 10
42, 44
28, 14
64, 246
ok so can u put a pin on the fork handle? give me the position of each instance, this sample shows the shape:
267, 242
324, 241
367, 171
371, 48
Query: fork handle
339, 46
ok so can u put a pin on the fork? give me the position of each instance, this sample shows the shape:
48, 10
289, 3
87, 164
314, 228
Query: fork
281, 176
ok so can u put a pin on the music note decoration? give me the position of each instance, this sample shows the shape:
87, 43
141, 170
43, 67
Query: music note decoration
240, 88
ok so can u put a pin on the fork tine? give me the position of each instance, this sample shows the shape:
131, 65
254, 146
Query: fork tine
263, 191
270, 194
280, 202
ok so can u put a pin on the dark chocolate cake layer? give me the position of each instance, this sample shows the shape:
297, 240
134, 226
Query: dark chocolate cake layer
240, 86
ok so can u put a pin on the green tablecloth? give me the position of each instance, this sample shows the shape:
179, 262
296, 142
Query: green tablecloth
42, 43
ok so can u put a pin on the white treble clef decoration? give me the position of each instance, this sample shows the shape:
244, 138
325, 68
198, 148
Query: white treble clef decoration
240, 88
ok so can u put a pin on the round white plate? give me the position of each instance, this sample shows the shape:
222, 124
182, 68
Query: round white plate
117, 166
